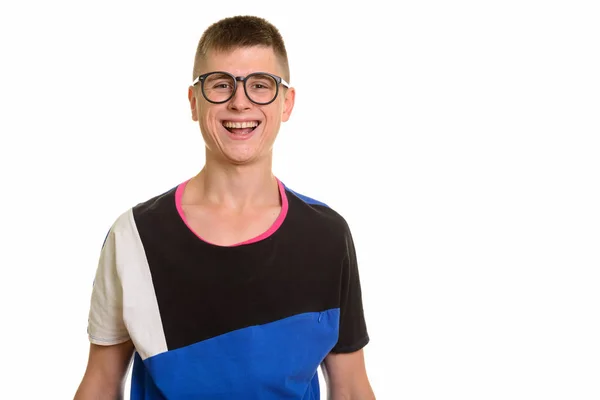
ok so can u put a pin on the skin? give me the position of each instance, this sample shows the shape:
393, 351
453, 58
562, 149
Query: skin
236, 195
105, 374
346, 377
236, 190
231, 155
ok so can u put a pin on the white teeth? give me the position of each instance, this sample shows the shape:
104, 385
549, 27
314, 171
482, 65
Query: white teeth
239, 125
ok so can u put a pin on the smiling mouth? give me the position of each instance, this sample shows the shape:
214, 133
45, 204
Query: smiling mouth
240, 128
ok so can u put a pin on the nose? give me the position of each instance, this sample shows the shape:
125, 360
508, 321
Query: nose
239, 101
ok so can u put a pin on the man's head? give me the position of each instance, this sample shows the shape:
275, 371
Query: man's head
240, 118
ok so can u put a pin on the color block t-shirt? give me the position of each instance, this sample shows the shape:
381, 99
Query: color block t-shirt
250, 321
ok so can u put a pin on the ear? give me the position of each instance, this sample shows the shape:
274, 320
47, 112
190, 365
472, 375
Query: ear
288, 104
193, 103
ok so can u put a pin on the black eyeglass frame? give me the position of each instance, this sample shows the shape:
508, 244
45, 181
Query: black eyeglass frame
278, 80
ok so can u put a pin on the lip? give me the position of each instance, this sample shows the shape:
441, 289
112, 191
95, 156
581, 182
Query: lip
242, 120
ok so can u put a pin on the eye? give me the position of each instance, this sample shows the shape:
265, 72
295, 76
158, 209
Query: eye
261, 82
219, 82
221, 85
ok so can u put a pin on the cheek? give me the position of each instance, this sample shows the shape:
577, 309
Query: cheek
208, 120
274, 115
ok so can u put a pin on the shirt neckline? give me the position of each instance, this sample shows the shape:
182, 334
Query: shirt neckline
272, 229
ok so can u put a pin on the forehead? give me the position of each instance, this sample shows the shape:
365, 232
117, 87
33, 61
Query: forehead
242, 60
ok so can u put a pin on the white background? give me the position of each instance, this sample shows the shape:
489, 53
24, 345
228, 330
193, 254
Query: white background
459, 139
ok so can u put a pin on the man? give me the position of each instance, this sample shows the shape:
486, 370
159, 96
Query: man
230, 285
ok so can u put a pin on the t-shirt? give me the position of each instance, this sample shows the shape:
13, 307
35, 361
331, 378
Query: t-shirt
249, 321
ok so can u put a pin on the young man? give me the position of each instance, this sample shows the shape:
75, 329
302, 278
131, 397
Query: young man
230, 285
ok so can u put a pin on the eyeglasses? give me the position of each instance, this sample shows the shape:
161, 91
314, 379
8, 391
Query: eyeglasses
219, 87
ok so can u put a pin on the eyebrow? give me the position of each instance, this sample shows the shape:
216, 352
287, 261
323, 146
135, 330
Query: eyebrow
219, 76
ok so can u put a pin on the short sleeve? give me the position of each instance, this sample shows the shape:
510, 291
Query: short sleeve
353, 333
105, 322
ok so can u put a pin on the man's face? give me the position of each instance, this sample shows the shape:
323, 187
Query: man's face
227, 128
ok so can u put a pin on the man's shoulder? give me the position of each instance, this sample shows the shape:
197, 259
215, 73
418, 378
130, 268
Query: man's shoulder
159, 204
306, 199
317, 210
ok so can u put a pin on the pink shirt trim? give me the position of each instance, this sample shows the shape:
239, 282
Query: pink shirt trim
264, 235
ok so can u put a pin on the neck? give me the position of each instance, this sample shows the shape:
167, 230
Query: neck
235, 186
